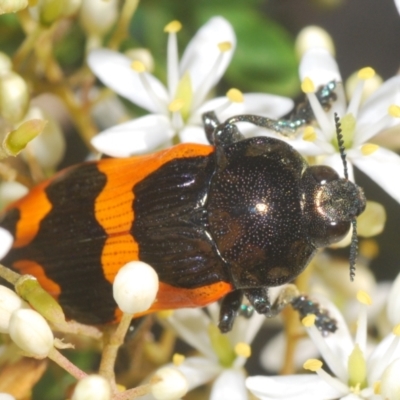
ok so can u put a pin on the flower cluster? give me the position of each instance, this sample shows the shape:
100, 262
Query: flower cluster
79, 70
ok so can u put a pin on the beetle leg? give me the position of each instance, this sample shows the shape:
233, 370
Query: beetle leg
220, 134
210, 122
229, 309
259, 299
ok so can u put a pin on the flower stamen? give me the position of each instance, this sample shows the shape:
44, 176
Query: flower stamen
368, 149
242, 350
329, 356
235, 95
172, 56
208, 81
394, 111
355, 101
309, 134
326, 126
140, 68
178, 359
316, 366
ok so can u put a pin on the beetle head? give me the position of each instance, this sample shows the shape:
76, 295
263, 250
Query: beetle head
332, 204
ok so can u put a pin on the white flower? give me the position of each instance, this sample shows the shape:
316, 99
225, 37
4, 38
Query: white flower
222, 356
356, 372
177, 108
380, 111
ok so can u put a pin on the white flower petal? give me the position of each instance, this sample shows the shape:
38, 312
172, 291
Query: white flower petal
270, 360
6, 241
230, 385
199, 370
193, 134
134, 137
390, 384
114, 70
393, 302
202, 52
378, 103
380, 358
383, 166
319, 65
291, 387
191, 325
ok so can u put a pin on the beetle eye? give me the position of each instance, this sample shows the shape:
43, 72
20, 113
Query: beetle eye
336, 231
323, 174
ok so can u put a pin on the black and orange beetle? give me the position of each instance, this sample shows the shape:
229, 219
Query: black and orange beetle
215, 221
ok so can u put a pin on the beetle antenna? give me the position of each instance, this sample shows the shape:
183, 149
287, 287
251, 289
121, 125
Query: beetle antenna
354, 238
341, 145
353, 250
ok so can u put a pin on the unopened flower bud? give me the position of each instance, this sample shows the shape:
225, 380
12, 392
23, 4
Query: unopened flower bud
12, 6
93, 387
135, 287
14, 97
16, 140
173, 384
9, 302
30, 331
311, 37
48, 148
6, 241
98, 16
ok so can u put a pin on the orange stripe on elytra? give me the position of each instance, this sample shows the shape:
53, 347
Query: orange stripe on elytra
33, 209
28, 267
113, 206
171, 298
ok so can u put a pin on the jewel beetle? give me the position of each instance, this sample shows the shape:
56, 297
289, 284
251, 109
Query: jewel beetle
215, 221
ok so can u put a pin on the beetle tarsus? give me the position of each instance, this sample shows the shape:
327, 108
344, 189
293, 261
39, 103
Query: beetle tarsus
229, 310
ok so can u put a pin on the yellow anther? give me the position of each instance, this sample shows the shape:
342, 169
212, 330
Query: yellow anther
173, 27
165, 314
366, 73
138, 66
307, 86
312, 365
396, 330
235, 95
243, 350
178, 359
368, 149
176, 105
224, 46
369, 248
394, 111
308, 320
364, 298
309, 134
377, 387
